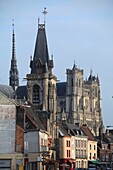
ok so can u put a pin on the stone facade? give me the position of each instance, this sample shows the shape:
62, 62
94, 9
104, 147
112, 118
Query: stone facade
82, 101
46, 101
78, 101
41, 82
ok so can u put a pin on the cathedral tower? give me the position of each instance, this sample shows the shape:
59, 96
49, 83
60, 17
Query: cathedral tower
41, 83
83, 100
13, 74
74, 93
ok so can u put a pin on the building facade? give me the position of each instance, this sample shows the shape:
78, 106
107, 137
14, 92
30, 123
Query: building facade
80, 100
73, 144
11, 146
92, 144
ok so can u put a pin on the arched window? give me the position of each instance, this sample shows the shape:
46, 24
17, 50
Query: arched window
36, 94
86, 103
79, 83
81, 104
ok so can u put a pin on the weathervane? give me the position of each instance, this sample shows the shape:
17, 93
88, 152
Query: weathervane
44, 12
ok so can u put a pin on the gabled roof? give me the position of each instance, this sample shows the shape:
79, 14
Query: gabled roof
87, 131
34, 118
43, 117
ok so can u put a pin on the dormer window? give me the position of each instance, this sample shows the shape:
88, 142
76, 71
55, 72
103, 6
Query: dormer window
36, 94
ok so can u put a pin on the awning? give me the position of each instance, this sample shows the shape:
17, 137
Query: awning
95, 162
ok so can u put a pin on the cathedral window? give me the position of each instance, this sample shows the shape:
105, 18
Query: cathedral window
86, 104
36, 94
79, 83
80, 104
96, 92
96, 105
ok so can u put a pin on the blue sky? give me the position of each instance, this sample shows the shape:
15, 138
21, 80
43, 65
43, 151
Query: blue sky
77, 30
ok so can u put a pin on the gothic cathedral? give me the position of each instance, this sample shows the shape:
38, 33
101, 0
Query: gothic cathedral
76, 101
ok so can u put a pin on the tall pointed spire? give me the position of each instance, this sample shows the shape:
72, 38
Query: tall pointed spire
41, 62
13, 73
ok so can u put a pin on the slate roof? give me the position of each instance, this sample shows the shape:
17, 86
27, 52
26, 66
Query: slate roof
62, 131
87, 131
73, 129
43, 116
61, 89
41, 49
34, 118
7, 90
107, 138
21, 92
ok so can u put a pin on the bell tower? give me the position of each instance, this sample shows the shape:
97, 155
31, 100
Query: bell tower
41, 83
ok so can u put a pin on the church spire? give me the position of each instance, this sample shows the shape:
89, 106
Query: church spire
41, 62
13, 73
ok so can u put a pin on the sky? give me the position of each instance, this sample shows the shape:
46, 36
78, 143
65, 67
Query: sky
79, 31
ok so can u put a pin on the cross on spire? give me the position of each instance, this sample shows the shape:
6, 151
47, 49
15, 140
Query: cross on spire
13, 24
44, 12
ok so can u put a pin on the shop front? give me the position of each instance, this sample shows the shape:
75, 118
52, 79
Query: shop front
65, 164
